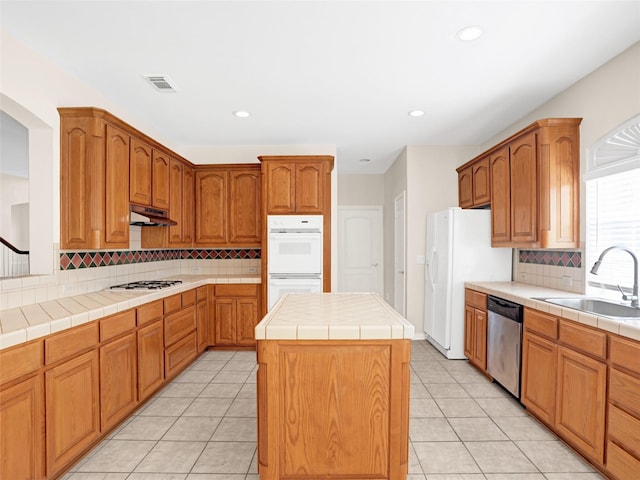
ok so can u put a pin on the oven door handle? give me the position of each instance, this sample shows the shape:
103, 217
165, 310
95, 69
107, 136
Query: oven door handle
296, 236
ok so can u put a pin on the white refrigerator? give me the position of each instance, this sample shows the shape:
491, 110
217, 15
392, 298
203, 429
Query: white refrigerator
458, 250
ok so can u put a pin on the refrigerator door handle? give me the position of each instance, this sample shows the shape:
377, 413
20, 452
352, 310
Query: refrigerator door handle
434, 268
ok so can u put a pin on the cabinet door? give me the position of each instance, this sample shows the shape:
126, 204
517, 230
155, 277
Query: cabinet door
468, 332
309, 189
481, 187
280, 180
211, 207
188, 206
580, 402
465, 188
71, 409
500, 197
524, 206
244, 207
539, 368
202, 321
118, 380
140, 172
480, 338
22, 432
225, 321
175, 201
246, 320
150, 359
160, 181
116, 189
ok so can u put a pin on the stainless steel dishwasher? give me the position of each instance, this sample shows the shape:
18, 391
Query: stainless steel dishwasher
504, 342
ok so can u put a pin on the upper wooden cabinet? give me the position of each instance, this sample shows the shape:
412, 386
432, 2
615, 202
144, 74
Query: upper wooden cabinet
228, 206
473, 184
160, 180
534, 186
181, 203
140, 172
297, 184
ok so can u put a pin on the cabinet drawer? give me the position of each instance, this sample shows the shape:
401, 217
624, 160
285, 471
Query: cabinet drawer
624, 390
178, 325
621, 464
541, 323
70, 342
21, 360
189, 298
584, 339
117, 324
475, 299
172, 303
625, 430
237, 290
201, 293
150, 312
625, 353
177, 356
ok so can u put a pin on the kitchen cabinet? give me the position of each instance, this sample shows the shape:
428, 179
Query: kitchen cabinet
539, 364
623, 432
140, 172
228, 206
160, 180
118, 367
235, 314
473, 184
202, 318
150, 336
22, 412
94, 194
533, 185
180, 335
181, 203
475, 328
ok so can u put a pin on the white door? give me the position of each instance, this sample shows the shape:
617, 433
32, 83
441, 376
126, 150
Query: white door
360, 251
399, 255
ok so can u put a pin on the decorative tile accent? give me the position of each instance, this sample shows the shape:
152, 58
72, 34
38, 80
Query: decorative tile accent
78, 260
556, 258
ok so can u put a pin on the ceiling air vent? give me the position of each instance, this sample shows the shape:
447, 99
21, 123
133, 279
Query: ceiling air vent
162, 83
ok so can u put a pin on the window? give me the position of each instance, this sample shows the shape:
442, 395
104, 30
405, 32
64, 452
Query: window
613, 207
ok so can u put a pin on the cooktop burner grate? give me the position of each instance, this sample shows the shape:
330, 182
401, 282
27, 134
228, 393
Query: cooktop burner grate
147, 285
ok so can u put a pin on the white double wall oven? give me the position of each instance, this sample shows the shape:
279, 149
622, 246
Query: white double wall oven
294, 249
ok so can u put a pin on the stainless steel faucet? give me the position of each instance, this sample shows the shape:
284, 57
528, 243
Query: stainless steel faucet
634, 296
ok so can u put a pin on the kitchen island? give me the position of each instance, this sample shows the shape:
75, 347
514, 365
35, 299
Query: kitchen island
333, 388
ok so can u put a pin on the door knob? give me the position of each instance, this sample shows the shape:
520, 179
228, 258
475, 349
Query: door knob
374, 264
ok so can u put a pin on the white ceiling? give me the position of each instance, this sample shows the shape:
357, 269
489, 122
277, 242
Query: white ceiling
328, 72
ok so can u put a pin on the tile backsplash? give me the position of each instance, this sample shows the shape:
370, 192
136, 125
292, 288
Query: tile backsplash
558, 269
84, 272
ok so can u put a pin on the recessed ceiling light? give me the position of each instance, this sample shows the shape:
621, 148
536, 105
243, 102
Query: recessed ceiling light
365, 160
416, 113
241, 113
470, 33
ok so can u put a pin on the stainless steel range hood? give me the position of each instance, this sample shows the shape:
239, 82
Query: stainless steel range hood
149, 217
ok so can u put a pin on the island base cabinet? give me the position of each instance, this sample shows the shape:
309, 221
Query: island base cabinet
21, 431
72, 413
333, 409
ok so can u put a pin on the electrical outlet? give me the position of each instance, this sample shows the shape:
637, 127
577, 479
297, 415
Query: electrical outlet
420, 260
196, 269
566, 281
524, 277
252, 269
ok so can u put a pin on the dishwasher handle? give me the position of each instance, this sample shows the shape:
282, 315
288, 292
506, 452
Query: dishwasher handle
505, 308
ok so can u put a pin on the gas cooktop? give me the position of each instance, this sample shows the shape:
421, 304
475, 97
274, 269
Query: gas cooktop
147, 285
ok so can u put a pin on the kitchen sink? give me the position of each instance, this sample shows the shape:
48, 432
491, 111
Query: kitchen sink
597, 306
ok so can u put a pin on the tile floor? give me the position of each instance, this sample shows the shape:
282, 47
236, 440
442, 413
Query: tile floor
202, 427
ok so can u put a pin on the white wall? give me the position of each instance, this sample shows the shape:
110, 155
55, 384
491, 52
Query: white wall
13, 191
361, 189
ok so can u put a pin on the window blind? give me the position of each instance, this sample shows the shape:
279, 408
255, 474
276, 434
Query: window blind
613, 218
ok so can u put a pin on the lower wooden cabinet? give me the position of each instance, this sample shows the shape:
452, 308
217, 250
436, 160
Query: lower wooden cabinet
72, 399
580, 402
540, 365
180, 354
22, 430
236, 314
475, 328
150, 359
118, 380
202, 318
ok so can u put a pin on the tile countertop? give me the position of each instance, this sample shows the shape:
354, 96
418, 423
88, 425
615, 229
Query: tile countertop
525, 294
333, 316
19, 325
